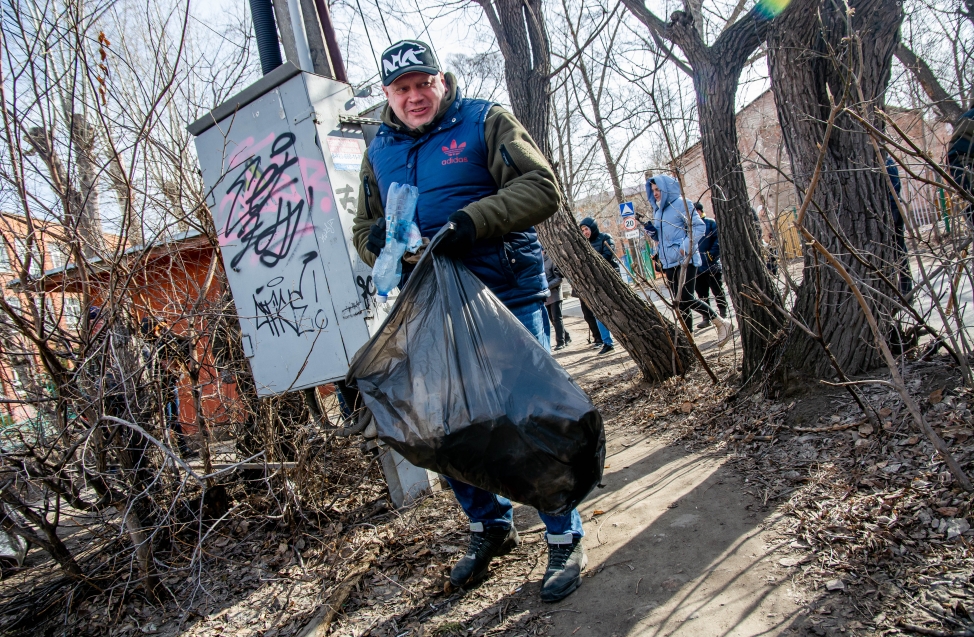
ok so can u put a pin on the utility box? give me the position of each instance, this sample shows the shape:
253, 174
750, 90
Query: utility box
280, 163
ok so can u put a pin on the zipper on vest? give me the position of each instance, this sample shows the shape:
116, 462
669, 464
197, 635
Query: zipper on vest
509, 161
368, 195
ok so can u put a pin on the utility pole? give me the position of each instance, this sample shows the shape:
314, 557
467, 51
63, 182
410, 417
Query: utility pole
308, 36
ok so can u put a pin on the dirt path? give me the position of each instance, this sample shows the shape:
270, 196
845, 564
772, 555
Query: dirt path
675, 546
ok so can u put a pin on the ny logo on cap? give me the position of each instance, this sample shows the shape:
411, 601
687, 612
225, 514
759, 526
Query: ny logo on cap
406, 57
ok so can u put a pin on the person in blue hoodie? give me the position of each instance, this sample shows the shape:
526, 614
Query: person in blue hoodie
678, 229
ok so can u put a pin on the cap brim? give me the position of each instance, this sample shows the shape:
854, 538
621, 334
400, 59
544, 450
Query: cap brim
429, 70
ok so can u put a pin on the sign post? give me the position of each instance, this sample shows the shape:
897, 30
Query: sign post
628, 212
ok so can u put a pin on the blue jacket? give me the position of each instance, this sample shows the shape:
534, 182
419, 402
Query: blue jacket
709, 247
670, 217
449, 166
960, 151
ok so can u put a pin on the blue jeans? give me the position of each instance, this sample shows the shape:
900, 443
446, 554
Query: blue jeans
494, 510
546, 319
604, 331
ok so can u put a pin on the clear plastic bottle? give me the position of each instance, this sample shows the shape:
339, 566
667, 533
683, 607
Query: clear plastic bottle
402, 235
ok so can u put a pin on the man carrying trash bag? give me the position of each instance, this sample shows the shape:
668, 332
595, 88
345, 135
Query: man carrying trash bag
477, 167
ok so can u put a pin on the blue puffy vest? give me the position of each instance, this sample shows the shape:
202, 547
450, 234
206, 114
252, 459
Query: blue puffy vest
449, 166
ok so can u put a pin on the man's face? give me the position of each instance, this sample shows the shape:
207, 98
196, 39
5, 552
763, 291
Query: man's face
415, 97
657, 195
586, 232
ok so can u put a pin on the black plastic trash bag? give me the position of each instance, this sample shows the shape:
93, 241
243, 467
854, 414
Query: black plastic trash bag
458, 386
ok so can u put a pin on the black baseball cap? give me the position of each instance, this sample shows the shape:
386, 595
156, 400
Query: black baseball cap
407, 56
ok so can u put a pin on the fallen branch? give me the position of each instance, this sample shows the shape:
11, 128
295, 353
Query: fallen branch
933, 632
321, 622
829, 429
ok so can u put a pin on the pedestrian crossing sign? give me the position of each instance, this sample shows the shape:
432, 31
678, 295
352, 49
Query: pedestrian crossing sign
626, 209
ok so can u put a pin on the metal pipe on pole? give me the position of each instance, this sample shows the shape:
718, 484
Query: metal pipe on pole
300, 36
331, 40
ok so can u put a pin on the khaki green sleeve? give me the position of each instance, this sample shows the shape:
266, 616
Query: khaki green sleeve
527, 189
368, 211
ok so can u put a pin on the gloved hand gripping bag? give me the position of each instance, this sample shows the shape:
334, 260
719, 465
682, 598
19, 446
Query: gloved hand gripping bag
458, 386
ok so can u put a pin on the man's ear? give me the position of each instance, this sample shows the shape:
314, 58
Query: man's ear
385, 91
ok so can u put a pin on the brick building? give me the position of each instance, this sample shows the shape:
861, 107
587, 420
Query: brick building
28, 248
168, 281
767, 170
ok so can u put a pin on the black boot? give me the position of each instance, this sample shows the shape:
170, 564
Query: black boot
485, 544
566, 560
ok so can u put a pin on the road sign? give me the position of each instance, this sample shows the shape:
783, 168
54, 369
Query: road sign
626, 209
632, 234
629, 223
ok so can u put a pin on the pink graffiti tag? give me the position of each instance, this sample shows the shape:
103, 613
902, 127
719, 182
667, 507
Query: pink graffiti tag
267, 210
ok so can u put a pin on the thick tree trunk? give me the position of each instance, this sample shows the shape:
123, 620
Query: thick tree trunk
748, 280
716, 71
818, 48
646, 335
639, 327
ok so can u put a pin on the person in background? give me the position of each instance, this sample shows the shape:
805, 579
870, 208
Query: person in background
960, 159
553, 303
595, 336
899, 229
601, 243
167, 354
679, 226
710, 274
475, 166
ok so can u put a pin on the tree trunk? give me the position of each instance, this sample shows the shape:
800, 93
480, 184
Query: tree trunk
646, 335
86, 212
950, 109
816, 49
80, 206
139, 512
748, 280
639, 327
716, 71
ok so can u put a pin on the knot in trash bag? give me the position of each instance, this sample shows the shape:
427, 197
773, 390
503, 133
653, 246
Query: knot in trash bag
457, 385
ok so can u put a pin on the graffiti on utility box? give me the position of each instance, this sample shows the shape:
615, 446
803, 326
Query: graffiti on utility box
305, 299
284, 309
266, 208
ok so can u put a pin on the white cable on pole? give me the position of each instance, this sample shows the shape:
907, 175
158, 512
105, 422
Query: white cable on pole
300, 35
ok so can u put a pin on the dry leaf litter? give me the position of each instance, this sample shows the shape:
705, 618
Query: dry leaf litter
874, 531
